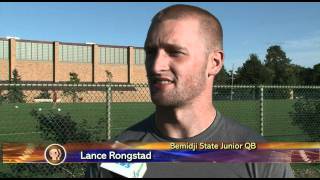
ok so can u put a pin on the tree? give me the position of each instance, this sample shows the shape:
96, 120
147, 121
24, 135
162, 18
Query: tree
277, 61
254, 72
15, 94
284, 72
43, 95
108, 76
316, 74
60, 128
223, 77
304, 76
307, 116
73, 91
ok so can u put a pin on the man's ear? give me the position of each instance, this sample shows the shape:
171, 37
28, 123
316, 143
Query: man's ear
216, 60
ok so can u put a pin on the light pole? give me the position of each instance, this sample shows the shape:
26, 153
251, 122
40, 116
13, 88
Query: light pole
231, 93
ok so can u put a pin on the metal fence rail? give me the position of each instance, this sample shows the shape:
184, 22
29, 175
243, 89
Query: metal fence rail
98, 112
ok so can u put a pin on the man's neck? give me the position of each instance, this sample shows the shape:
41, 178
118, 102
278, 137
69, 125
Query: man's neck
185, 121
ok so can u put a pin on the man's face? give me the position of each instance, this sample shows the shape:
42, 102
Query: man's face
176, 62
54, 154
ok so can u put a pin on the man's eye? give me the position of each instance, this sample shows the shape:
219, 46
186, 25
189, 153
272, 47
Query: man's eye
175, 53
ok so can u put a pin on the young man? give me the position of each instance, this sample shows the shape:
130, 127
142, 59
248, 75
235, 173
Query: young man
184, 53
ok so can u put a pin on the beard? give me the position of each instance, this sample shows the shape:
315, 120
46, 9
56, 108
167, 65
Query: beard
182, 92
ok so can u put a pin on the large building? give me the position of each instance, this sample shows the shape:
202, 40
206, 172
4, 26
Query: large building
43, 61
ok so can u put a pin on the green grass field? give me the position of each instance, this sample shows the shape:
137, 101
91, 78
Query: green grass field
17, 125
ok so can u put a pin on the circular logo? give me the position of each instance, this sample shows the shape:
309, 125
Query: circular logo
55, 154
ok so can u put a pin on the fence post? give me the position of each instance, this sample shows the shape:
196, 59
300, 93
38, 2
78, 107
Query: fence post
108, 110
261, 111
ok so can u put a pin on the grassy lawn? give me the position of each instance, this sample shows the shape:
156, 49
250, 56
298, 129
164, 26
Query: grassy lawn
17, 125
278, 123
302, 170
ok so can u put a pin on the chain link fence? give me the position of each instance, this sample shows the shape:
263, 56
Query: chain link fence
65, 113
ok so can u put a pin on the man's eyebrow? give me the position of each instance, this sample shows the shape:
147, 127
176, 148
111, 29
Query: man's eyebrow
166, 46
174, 46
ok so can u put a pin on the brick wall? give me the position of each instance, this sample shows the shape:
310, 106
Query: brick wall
83, 70
34, 70
119, 72
4, 70
139, 74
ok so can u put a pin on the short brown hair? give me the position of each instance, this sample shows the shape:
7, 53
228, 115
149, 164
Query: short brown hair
210, 25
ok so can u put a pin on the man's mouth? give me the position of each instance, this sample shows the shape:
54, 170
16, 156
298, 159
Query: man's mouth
160, 82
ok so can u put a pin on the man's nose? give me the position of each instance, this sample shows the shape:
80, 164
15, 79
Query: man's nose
159, 63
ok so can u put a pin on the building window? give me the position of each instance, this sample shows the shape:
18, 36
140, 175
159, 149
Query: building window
34, 51
75, 53
89, 54
140, 56
4, 50
113, 55
102, 55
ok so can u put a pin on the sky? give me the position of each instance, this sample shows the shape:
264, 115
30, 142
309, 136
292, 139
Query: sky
247, 27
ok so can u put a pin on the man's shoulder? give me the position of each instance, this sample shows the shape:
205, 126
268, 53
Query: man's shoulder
137, 131
234, 130
226, 129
